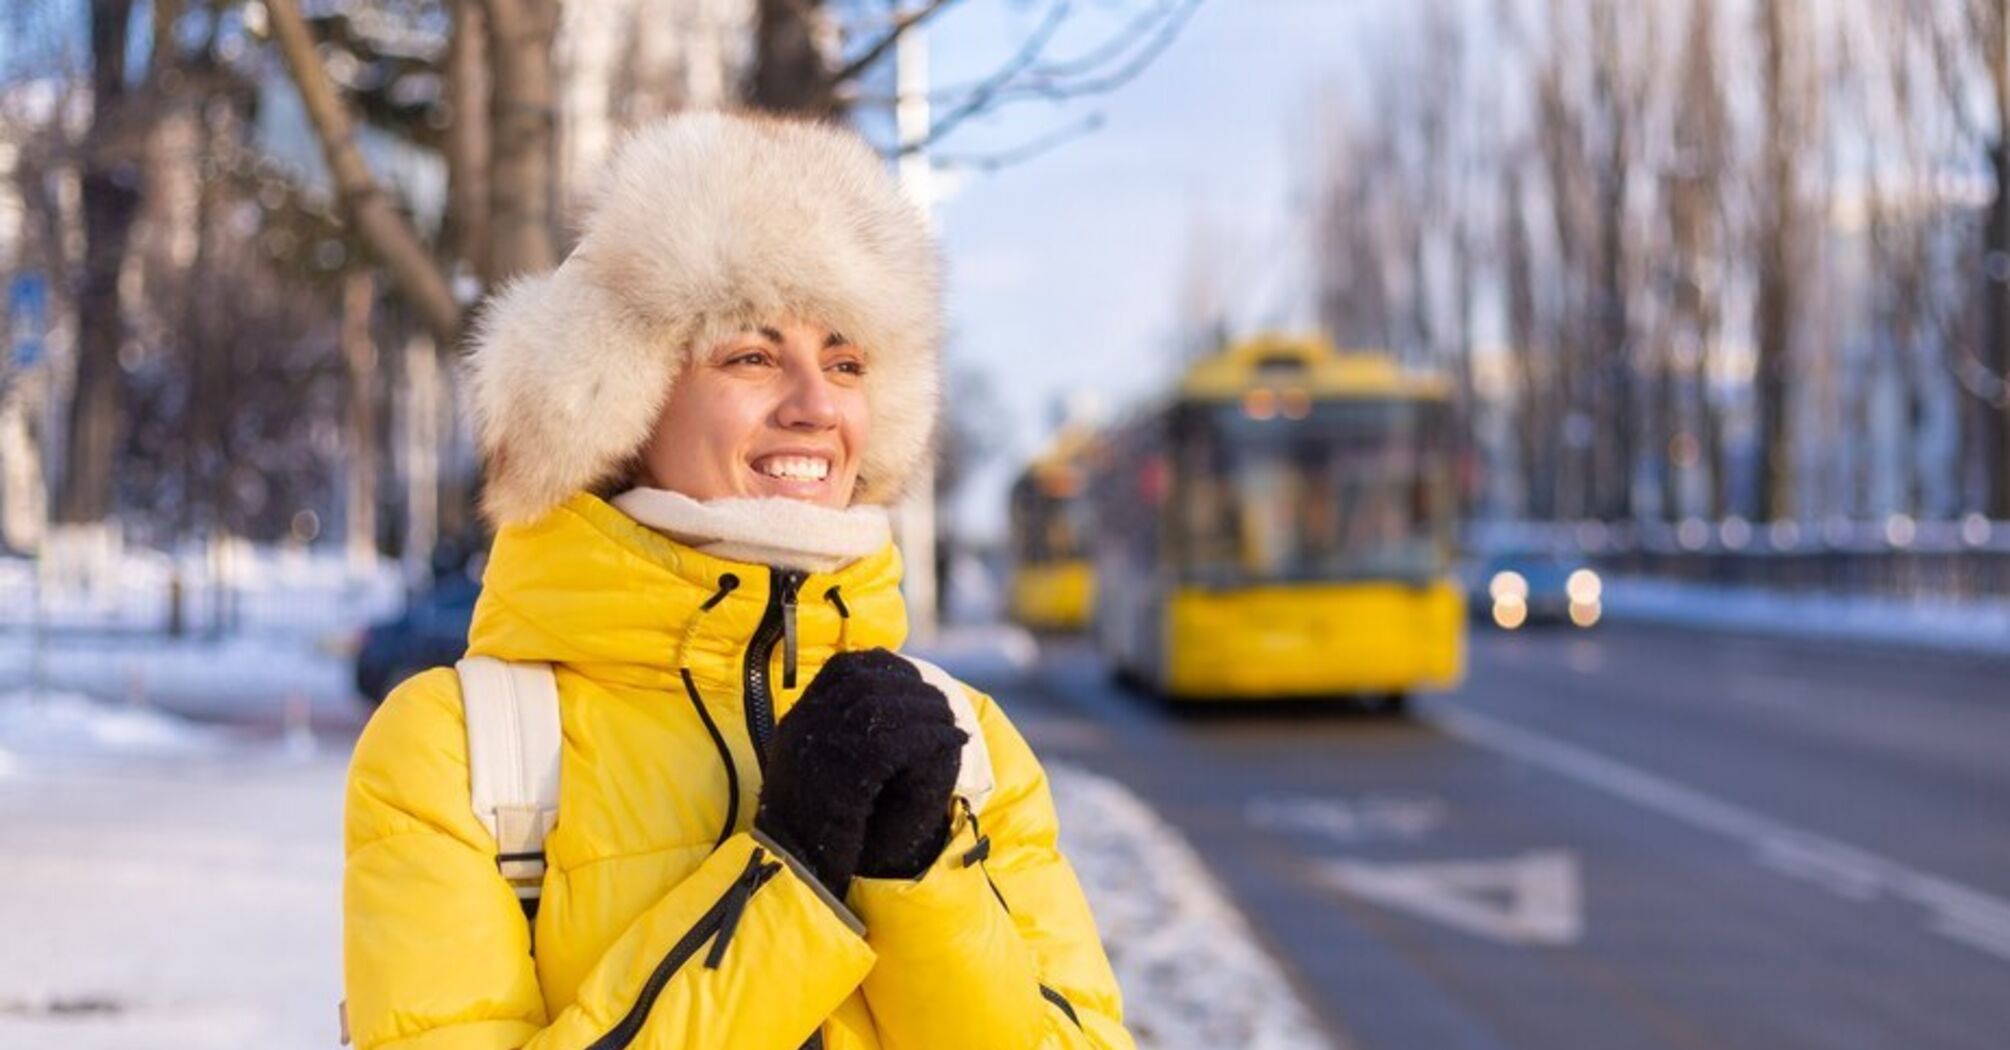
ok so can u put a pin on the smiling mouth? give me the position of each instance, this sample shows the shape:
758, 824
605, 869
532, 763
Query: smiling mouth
793, 468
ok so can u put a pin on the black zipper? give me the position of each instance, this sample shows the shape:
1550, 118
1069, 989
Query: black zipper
778, 624
721, 919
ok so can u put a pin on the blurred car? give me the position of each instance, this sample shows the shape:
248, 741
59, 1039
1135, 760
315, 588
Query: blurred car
1513, 589
432, 631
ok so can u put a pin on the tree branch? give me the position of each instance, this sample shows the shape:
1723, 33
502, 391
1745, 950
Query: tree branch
878, 48
990, 162
980, 99
380, 225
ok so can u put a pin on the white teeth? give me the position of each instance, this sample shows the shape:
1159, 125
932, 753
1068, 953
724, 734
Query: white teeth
795, 468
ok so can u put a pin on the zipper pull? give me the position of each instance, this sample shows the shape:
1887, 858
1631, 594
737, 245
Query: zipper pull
751, 877
790, 582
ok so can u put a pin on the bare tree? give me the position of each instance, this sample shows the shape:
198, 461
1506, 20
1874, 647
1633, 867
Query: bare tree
1693, 430
1781, 243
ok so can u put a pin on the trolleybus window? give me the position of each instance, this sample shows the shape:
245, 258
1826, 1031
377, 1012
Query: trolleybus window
1349, 490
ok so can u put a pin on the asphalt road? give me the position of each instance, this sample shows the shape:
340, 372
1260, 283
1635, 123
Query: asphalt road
1625, 838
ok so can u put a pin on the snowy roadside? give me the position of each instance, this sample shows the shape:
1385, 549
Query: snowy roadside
1193, 975
1978, 627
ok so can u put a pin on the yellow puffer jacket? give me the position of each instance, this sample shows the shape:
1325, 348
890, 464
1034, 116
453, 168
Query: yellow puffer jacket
665, 923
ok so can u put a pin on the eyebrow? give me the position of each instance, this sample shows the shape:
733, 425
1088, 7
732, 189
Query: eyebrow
774, 335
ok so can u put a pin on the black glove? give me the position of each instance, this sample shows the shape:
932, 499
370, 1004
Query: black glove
910, 819
866, 719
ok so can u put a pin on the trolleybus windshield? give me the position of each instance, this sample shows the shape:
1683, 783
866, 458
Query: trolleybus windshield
1331, 490
1047, 520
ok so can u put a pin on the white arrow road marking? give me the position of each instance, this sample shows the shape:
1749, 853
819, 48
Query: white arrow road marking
1957, 912
1532, 899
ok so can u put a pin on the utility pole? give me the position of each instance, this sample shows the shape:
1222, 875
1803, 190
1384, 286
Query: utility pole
915, 519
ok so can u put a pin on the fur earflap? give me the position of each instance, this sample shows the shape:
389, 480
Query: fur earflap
703, 225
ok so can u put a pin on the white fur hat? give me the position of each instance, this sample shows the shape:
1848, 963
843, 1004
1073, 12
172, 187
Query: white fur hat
701, 226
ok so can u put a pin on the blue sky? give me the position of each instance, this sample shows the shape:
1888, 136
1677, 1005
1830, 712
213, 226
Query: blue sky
1064, 270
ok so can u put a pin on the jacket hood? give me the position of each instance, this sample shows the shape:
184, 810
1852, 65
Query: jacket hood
704, 225
589, 588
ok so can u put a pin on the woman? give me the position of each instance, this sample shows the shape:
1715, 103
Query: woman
691, 430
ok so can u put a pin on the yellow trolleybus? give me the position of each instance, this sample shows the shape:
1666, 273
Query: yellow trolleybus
1281, 526
1052, 585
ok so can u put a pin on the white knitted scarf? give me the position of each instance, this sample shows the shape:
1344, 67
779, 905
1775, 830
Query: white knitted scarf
788, 533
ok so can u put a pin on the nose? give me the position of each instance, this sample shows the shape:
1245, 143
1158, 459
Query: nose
807, 403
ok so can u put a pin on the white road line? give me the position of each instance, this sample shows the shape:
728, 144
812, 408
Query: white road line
1961, 913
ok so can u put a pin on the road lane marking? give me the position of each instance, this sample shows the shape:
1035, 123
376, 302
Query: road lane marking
1369, 818
1533, 899
1957, 912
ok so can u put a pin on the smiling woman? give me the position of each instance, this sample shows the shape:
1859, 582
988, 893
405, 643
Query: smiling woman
773, 831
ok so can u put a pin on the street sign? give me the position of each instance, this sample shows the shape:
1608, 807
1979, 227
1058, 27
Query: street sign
1533, 899
28, 320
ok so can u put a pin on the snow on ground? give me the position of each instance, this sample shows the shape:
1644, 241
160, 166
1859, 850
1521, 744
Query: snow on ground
1981, 627
169, 898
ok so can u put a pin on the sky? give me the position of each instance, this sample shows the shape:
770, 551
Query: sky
1065, 270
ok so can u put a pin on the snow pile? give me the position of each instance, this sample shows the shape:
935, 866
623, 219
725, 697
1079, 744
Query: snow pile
71, 725
1192, 973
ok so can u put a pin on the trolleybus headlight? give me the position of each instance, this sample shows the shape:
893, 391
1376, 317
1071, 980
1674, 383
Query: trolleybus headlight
1584, 614
1508, 584
1584, 587
1510, 612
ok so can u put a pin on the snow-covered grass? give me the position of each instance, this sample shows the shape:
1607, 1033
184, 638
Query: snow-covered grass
1971, 626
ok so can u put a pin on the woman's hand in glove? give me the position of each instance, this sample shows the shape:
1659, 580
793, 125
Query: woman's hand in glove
866, 728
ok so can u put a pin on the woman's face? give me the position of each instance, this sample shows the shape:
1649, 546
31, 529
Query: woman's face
773, 411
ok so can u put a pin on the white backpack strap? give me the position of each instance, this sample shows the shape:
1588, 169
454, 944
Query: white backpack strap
513, 745
973, 777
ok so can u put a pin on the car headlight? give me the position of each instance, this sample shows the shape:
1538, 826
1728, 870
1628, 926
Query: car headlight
1508, 585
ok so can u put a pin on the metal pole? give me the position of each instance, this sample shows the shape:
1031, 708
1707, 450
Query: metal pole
916, 517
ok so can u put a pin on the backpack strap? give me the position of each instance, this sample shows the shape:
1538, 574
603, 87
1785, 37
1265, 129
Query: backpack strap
513, 745
974, 780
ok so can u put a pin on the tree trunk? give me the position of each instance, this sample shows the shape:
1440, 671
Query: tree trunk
523, 119
792, 72
1778, 306
359, 357
111, 197
467, 154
